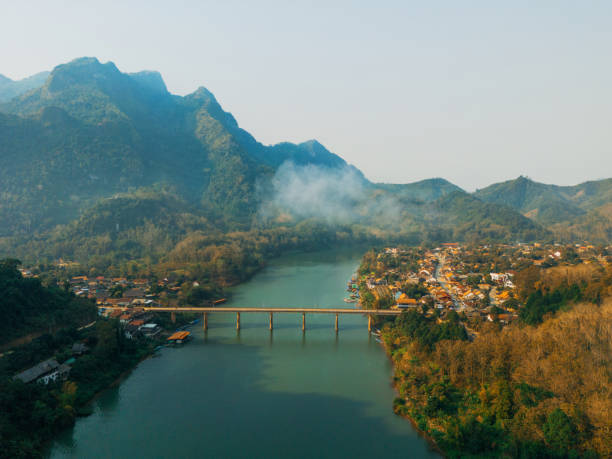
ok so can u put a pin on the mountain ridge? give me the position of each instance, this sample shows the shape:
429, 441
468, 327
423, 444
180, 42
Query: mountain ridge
11, 88
527, 195
188, 140
91, 132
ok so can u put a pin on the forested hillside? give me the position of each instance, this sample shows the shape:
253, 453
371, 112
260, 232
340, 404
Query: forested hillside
108, 167
13, 88
580, 212
91, 131
27, 306
540, 387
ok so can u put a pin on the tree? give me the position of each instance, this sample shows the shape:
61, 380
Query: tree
107, 335
559, 431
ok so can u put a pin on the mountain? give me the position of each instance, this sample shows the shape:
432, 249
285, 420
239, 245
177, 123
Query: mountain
472, 219
10, 88
574, 212
97, 161
424, 190
551, 203
544, 203
91, 131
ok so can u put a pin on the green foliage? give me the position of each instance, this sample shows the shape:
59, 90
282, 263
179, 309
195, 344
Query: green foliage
27, 306
416, 291
201, 295
559, 431
10, 88
474, 220
474, 437
426, 331
548, 203
77, 152
573, 212
539, 304
31, 414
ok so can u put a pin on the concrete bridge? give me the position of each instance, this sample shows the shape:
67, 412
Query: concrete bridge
271, 311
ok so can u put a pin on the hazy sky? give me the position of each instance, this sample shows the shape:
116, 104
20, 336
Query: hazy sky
473, 91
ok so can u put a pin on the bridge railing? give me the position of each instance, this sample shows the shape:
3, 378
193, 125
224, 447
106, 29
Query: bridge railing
270, 311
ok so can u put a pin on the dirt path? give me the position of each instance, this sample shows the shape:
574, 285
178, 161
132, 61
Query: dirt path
20, 341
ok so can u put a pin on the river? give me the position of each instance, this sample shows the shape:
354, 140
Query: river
258, 394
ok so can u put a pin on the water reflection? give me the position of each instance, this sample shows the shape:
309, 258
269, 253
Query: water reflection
259, 393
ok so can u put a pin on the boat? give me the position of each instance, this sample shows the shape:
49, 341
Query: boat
179, 337
350, 300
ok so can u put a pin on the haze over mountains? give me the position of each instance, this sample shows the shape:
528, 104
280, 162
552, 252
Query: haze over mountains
10, 88
574, 212
100, 152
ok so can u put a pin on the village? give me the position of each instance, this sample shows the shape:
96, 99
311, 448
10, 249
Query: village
477, 282
122, 299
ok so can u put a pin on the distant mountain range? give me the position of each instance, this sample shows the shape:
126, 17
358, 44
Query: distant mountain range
99, 152
10, 88
582, 211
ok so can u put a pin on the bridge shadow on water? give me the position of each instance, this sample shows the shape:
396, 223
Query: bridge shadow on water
264, 328
214, 398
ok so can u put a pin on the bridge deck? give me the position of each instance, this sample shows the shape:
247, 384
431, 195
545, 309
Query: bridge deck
377, 312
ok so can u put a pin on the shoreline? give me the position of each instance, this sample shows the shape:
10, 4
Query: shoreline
88, 408
46, 446
121, 377
430, 441
116, 382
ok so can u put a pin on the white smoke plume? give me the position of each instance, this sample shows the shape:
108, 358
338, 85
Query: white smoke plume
337, 196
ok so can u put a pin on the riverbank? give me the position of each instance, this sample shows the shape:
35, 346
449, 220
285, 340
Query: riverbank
397, 403
35, 414
223, 393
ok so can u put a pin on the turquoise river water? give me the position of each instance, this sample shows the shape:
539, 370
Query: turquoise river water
257, 394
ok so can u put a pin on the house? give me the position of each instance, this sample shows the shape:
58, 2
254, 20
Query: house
125, 318
119, 302
134, 293
141, 302
45, 372
79, 280
79, 349
505, 318
150, 330
141, 282
132, 330
404, 302
102, 293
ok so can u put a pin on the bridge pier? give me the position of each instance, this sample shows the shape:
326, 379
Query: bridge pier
290, 310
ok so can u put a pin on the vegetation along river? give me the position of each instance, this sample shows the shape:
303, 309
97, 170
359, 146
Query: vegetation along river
258, 394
